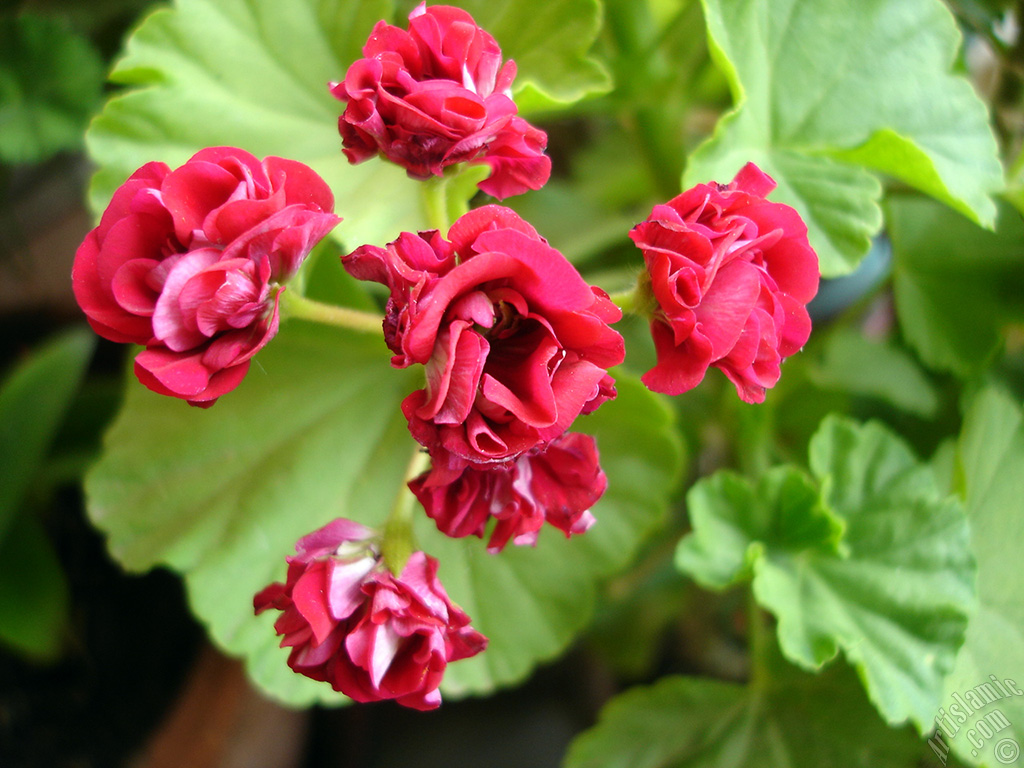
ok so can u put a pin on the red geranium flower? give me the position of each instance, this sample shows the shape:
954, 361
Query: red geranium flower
369, 633
190, 262
557, 484
515, 343
438, 94
730, 275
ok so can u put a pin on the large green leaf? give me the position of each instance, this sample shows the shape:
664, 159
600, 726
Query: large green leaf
51, 81
800, 721
734, 521
315, 432
33, 590
956, 285
33, 401
865, 82
978, 703
893, 592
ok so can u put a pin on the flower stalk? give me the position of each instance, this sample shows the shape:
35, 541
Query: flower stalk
397, 540
434, 200
759, 644
294, 304
624, 300
637, 300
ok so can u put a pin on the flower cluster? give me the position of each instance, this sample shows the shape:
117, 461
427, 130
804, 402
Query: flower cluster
190, 263
436, 95
370, 633
513, 343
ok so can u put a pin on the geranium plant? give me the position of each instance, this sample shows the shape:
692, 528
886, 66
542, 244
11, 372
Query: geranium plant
484, 315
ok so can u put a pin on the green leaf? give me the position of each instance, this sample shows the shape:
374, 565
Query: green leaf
802, 720
852, 363
33, 402
892, 593
315, 432
549, 41
33, 590
991, 463
956, 285
865, 82
51, 80
1014, 192
897, 603
734, 521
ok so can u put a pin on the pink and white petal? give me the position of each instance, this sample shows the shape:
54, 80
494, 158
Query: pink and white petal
171, 325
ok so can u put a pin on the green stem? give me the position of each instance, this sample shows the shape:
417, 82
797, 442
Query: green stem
638, 300
397, 543
293, 304
755, 426
433, 195
758, 643
656, 142
458, 206
625, 300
